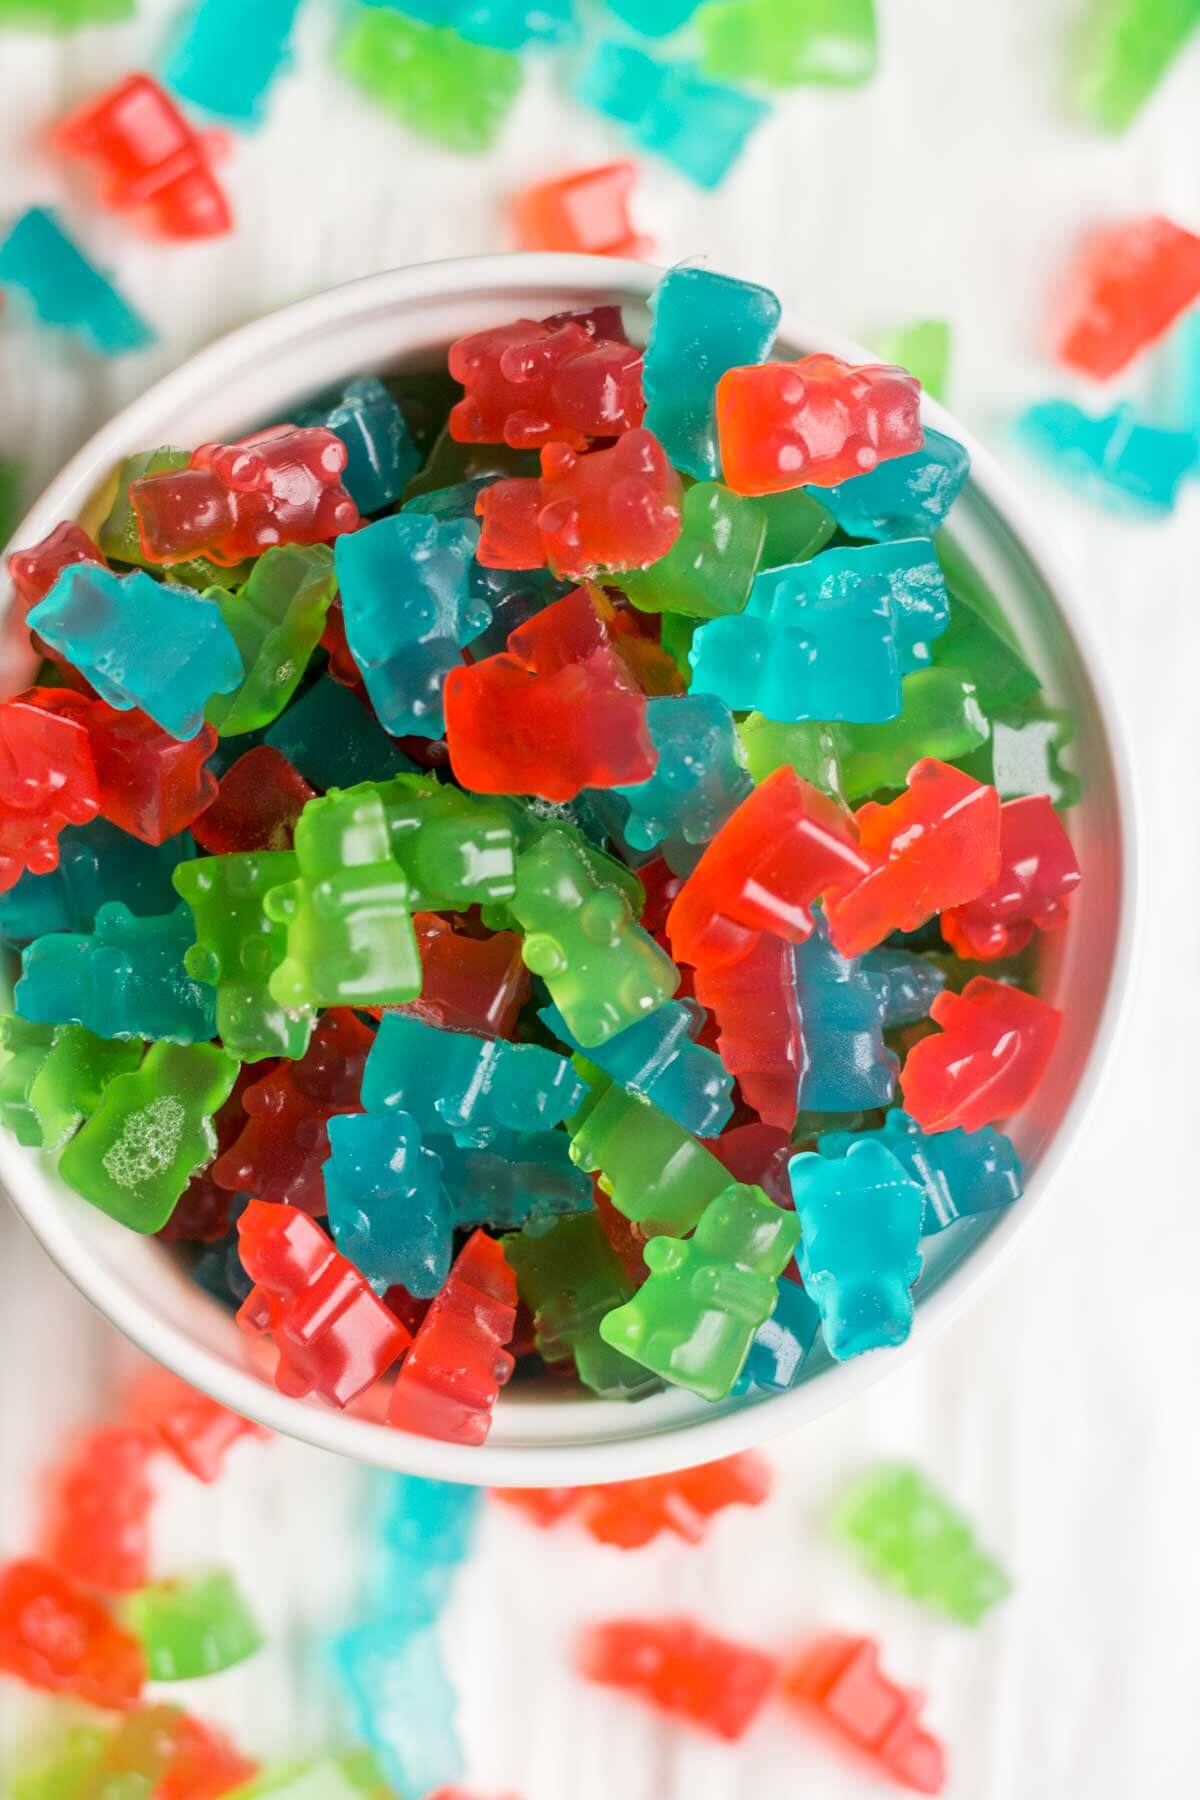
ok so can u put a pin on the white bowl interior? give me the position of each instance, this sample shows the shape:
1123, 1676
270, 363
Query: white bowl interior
545, 1432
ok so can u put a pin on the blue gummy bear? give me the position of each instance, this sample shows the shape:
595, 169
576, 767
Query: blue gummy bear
860, 1230
141, 642
1114, 460
701, 325
912, 984
500, 24
844, 1066
401, 1703
700, 778
963, 1173
382, 457
780, 1346
227, 55
334, 740
906, 570
658, 1058
518, 1177
388, 1209
96, 862
471, 1087
407, 601
903, 497
671, 109
124, 979
1177, 382
508, 597
65, 289
653, 18
423, 1531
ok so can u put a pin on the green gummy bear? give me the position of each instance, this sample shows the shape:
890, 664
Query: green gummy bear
150, 1133
1022, 755
911, 1537
1125, 49
656, 1173
787, 43
798, 525
939, 716
192, 1628
27, 1046
979, 642
238, 948
66, 1768
710, 568
121, 542
350, 937
430, 78
455, 850
354, 1776
276, 621
603, 971
64, 15
70, 1084
811, 747
675, 635
694, 1319
569, 1276
923, 348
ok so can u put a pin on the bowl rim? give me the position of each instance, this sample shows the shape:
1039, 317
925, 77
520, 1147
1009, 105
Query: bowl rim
672, 1446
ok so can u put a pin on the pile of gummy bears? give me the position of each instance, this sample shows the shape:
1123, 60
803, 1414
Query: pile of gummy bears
545, 846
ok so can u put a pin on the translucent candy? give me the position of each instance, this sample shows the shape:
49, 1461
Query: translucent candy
697, 125
429, 78
471, 1087
124, 979
659, 1059
225, 60
963, 1173
908, 1535
65, 289
699, 781
702, 324
1114, 459
790, 42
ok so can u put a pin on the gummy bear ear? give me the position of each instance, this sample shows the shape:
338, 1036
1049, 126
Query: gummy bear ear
542, 955
242, 468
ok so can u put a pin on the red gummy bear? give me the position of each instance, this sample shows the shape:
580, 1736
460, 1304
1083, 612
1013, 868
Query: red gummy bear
280, 1152
527, 384
468, 983
681, 1670
774, 856
97, 1524
613, 509
544, 1507
553, 714
450, 1379
52, 1636
259, 798
753, 1001
818, 421
200, 1762
198, 1432
1130, 282
937, 846
840, 1676
1038, 872
281, 486
991, 1053
47, 780
342, 666
758, 1155
149, 159
34, 571
632, 1513
334, 1335
586, 213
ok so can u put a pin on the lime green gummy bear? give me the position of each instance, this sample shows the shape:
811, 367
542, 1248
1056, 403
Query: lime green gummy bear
192, 1628
656, 1173
238, 948
430, 78
66, 1768
71, 1082
912, 1538
1126, 48
276, 621
151, 1132
810, 746
456, 850
694, 1319
569, 1276
27, 1046
939, 716
923, 348
121, 542
353, 1776
788, 42
710, 568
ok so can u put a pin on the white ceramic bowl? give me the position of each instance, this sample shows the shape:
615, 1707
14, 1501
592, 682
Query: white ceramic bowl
547, 1433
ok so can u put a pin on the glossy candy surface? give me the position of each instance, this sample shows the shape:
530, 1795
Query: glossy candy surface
381, 456
126, 978
817, 420
570, 1277
703, 324
963, 1172
458, 1362
469, 1086
1038, 873
699, 780
860, 1223
987, 1060
710, 568
659, 1059
389, 1212
559, 381
237, 947
655, 1172
148, 159
259, 799
276, 619
47, 781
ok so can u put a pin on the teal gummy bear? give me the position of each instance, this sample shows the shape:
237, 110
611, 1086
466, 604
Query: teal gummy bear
401, 1704
912, 984
780, 1346
860, 1228
508, 597
653, 18
406, 597
659, 1059
227, 55
382, 457
702, 325
516, 1178
963, 1173
388, 1209
471, 1087
700, 778
694, 1319
424, 1530
65, 289
904, 496
125, 979
498, 24
334, 740
96, 862
1115, 460
1178, 374
141, 642
842, 1006
906, 569
699, 126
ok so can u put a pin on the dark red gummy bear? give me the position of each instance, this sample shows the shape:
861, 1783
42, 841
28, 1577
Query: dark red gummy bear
840, 1677
682, 1670
54, 1636
451, 1377
556, 712
48, 779
613, 509
334, 1335
149, 159
985, 1062
198, 1432
34, 571
1038, 873
528, 384
476, 984
758, 1154
96, 1528
259, 798
281, 486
